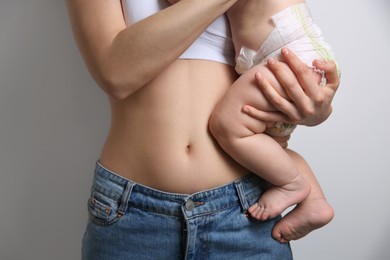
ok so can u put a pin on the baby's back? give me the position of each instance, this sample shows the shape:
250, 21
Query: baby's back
251, 22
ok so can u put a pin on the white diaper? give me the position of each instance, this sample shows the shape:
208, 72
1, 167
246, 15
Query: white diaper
294, 29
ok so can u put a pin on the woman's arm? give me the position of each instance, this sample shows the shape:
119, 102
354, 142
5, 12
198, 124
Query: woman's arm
123, 59
309, 103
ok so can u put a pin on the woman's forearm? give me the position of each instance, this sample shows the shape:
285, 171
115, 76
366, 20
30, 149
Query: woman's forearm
144, 49
126, 58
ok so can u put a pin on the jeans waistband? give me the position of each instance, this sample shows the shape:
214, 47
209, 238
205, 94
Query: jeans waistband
131, 194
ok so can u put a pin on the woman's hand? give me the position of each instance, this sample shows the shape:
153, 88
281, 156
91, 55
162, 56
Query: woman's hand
308, 103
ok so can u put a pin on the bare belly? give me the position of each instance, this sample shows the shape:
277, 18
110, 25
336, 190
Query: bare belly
159, 136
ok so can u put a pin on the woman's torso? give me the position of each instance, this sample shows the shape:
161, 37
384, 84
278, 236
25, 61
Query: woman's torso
159, 136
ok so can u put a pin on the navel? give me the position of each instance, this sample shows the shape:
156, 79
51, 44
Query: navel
188, 149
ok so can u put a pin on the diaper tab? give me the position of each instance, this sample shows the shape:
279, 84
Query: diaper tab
244, 60
280, 129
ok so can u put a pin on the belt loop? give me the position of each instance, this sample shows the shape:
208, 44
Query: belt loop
241, 196
125, 198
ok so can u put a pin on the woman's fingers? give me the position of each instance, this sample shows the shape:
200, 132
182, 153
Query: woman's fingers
264, 116
302, 85
299, 81
307, 102
279, 102
298, 99
332, 73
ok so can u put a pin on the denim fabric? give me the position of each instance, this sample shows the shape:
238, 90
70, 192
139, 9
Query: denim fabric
130, 221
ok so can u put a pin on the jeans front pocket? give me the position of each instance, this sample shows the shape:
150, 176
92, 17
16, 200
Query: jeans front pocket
102, 210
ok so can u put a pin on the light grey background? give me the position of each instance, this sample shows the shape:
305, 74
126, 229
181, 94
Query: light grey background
53, 120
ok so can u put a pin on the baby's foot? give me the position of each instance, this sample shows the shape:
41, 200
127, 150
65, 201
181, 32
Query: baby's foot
277, 199
304, 218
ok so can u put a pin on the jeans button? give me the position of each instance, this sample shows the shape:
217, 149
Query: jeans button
189, 205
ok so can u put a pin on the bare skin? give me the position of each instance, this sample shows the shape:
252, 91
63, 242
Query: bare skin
251, 23
160, 105
241, 136
168, 122
313, 213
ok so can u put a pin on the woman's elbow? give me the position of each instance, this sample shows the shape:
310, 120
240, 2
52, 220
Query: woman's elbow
116, 86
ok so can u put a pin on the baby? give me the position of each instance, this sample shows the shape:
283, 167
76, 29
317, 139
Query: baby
260, 29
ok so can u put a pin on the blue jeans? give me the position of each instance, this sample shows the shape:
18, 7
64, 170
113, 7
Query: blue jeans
130, 221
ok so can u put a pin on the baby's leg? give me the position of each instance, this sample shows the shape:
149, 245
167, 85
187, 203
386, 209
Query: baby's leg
243, 139
312, 213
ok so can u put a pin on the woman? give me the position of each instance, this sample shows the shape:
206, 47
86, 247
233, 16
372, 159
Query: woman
162, 188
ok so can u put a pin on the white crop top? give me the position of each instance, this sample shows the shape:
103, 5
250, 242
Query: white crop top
214, 43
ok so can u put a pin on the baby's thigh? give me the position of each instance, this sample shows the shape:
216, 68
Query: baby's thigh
268, 75
244, 91
248, 91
